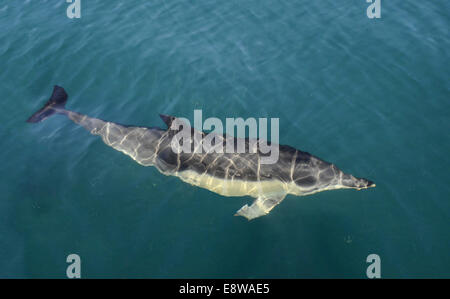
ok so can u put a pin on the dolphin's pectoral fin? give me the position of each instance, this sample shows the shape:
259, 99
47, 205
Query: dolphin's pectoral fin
260, 207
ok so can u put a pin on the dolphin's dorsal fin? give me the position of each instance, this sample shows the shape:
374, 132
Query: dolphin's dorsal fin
167, 119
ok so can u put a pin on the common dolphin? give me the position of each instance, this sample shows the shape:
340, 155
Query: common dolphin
228, 174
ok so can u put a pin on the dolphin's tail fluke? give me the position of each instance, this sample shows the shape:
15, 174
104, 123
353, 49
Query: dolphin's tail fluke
56, 103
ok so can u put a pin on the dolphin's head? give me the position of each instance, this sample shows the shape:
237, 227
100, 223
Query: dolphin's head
356, 183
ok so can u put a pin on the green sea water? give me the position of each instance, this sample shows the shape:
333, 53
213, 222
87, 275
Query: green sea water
370, 95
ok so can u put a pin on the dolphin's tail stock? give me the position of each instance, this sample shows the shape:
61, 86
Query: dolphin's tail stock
55, 104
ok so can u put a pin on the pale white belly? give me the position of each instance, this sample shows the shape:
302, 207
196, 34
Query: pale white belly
232, 187
251, 188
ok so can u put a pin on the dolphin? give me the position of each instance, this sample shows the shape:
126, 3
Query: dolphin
229, 174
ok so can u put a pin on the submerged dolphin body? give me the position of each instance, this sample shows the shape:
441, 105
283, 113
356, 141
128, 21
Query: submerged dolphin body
229, 174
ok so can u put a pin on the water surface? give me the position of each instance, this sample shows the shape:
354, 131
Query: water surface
371, 96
